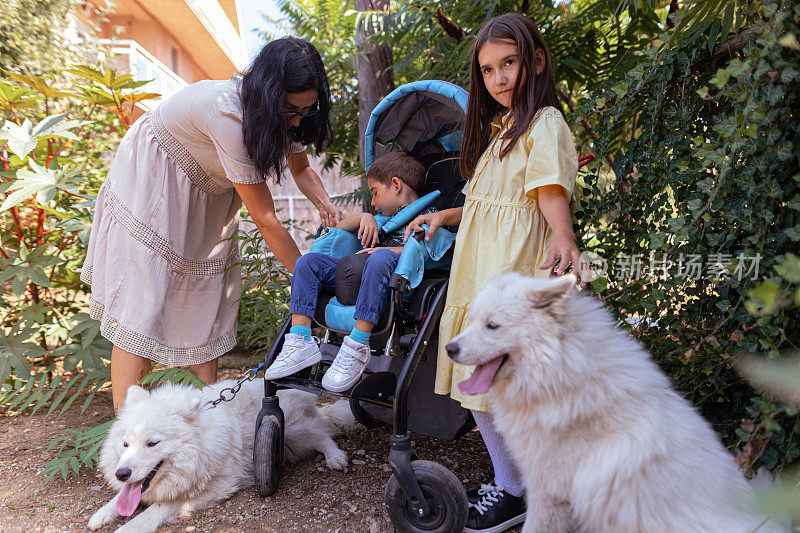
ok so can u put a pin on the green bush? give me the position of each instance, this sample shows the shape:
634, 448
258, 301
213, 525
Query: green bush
710, 168
51, 165
264, 304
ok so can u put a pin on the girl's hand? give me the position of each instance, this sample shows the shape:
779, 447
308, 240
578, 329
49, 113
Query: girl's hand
368, 231
330, 214
564, 251
433, 220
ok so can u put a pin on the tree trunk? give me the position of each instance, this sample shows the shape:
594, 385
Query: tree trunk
375, 78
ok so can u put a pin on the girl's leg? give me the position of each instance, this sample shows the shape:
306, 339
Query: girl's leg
206, 371
501, 506
126, 370
505, 473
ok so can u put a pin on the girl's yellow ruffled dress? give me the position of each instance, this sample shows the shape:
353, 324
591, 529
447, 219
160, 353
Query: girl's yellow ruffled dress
502, 228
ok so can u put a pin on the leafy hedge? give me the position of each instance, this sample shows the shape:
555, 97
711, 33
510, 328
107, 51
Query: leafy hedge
710, 171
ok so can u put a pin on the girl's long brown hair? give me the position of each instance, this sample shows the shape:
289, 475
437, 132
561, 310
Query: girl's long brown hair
531, 91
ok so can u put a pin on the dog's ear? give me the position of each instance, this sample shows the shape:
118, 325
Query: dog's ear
554, 292
192, 408
136, 394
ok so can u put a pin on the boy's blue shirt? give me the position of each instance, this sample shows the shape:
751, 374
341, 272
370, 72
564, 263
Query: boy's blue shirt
336, 242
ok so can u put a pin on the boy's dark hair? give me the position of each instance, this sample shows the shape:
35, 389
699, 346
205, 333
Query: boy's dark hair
400, 164
531, 92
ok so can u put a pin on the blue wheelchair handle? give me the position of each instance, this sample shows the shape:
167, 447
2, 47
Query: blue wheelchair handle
407, 214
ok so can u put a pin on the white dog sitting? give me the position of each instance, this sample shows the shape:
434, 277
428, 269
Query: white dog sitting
601, 440
168, 448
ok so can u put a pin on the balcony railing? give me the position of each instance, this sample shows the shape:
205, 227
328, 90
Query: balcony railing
130, 57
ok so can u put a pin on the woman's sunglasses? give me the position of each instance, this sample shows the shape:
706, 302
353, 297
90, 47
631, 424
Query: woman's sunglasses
313, 110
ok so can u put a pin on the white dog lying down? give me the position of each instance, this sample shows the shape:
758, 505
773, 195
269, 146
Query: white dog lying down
601, 440
178, 455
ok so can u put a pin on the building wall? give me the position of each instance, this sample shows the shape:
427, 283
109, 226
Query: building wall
292, 206
153, 37
179, 33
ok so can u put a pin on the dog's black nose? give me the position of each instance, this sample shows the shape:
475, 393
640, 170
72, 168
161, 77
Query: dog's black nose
452, 349
123, 474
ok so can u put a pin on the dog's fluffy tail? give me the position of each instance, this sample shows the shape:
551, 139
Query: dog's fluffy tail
340, 415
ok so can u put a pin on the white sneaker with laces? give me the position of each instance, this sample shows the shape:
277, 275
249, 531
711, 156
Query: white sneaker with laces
348, 366
297, 353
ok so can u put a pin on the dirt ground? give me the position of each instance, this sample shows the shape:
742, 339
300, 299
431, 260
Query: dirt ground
310, 497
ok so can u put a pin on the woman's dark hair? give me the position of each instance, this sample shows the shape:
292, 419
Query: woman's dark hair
531, 91
287, 65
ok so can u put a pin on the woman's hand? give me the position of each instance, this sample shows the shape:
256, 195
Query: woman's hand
258, 201
311, 186
433, 220
368, 231
561, 253
330, 214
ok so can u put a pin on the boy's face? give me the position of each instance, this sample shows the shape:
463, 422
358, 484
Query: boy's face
385, 198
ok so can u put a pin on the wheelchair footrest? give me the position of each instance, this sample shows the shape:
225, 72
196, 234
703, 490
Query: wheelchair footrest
328, 351
379, 387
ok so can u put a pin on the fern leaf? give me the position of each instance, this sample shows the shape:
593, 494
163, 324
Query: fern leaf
53, 386
22, 395
77, 393
70, 401
62, 394
87, 402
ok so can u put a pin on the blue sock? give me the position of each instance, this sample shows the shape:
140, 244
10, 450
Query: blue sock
361, 337
301, 330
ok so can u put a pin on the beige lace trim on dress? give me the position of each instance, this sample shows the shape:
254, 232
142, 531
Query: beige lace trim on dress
142, 233
181, 156
144, 346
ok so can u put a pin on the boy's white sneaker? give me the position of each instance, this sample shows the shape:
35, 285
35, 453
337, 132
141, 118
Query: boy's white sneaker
297, 353
348, 366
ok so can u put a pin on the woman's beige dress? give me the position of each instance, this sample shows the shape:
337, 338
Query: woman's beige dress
164, 284
502, 228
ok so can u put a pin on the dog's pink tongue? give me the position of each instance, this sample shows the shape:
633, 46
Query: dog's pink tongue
129, 498
481, 379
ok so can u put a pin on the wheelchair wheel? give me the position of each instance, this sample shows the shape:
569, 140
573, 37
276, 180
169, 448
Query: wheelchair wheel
266, 451
444, 494
362, 416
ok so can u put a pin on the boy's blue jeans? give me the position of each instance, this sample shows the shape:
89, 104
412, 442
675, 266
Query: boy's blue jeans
313, 271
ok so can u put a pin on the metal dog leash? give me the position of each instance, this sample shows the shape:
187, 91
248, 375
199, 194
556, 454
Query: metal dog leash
249, 375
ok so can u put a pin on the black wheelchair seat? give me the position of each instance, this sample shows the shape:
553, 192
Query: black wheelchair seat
348, 281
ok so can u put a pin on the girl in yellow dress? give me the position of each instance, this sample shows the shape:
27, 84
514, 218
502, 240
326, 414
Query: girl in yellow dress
519, 158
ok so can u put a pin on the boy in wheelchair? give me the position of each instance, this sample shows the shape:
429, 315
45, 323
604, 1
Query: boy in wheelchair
394, 181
